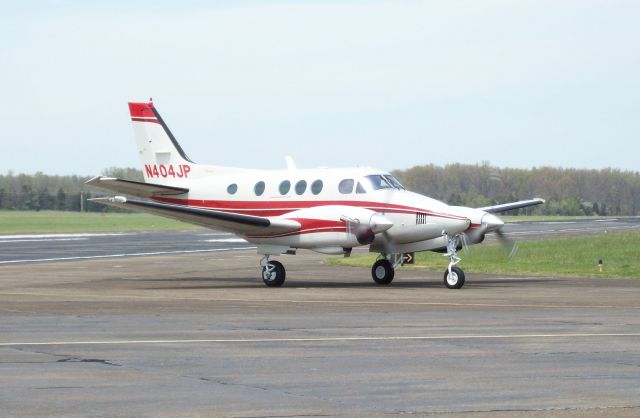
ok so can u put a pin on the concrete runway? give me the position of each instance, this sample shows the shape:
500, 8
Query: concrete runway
195, 334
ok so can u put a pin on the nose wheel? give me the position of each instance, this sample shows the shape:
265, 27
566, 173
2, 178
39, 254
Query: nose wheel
454, 278
273, 272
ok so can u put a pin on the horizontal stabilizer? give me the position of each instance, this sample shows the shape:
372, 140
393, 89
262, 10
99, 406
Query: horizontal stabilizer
135, 188
511, 206
224, 221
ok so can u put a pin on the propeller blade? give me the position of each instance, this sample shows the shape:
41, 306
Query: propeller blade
510, 246
464, 240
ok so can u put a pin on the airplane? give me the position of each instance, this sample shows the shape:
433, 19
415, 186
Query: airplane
330, 211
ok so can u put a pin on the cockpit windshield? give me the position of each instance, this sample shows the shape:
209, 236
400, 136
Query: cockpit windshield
377, 182
394, 181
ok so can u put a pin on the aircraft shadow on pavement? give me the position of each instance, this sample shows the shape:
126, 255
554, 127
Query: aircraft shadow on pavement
195, 283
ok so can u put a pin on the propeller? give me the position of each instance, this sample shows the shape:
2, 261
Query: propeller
510, 245
489, 223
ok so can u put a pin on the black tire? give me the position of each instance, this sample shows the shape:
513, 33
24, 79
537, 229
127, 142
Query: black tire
456, 280
274, 278
382, 272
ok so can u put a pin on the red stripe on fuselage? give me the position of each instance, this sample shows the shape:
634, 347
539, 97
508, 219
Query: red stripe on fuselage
303, 231
308, 226
278, 208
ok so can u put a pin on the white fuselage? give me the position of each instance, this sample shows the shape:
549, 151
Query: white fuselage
320, 200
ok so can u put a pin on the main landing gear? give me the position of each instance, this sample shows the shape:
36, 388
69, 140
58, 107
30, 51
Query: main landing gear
273, 272
383, 269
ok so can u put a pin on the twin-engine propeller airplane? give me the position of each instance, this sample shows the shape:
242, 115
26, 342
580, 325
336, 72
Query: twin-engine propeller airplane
330, 211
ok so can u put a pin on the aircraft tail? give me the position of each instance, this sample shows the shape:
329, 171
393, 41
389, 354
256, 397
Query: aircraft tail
163, 159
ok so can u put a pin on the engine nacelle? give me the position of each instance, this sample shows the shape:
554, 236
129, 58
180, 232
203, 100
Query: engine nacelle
350, 226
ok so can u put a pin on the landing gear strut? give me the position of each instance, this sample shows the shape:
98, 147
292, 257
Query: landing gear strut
453, 276
273, 272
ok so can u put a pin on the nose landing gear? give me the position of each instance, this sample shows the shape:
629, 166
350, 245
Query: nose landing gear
453, 276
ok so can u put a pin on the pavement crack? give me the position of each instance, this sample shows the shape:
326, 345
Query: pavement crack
87, 360
62, 358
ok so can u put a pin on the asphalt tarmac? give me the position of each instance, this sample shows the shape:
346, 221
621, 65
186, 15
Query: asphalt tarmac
20, 249
198, 334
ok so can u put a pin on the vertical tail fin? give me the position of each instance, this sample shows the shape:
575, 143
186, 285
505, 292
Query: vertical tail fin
163, 159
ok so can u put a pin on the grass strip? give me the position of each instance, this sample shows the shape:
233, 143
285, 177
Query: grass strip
569, 257
32, 222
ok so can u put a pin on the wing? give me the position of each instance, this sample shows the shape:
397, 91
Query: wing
510, 206
135, 188
224, 221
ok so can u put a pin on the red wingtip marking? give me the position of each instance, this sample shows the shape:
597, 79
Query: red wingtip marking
139, 110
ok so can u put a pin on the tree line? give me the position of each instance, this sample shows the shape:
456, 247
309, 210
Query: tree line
567, 191
51, 192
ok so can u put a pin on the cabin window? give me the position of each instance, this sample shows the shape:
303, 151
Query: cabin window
346, 186
316, 187
360, 189
259, 188
301, 186
284, 188
232, 188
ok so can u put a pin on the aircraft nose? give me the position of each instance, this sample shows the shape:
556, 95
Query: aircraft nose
379, 223
492, 222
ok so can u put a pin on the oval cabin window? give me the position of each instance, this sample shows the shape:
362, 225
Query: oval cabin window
259, 188
316, 187
301, 186
284, 188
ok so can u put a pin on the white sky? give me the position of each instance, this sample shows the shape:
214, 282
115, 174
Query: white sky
389, 84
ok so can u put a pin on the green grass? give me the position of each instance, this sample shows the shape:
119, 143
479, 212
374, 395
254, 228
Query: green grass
572, 257
549, 218
25, 222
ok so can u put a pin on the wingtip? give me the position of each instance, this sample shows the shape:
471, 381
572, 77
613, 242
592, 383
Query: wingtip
93, 180
114, 199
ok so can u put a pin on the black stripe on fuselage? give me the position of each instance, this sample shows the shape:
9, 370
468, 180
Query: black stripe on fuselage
213, 214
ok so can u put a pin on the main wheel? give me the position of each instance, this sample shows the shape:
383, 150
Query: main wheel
382, 272
455, 280
273, 274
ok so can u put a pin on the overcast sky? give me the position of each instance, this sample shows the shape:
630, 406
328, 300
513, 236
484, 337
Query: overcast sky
389, 84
